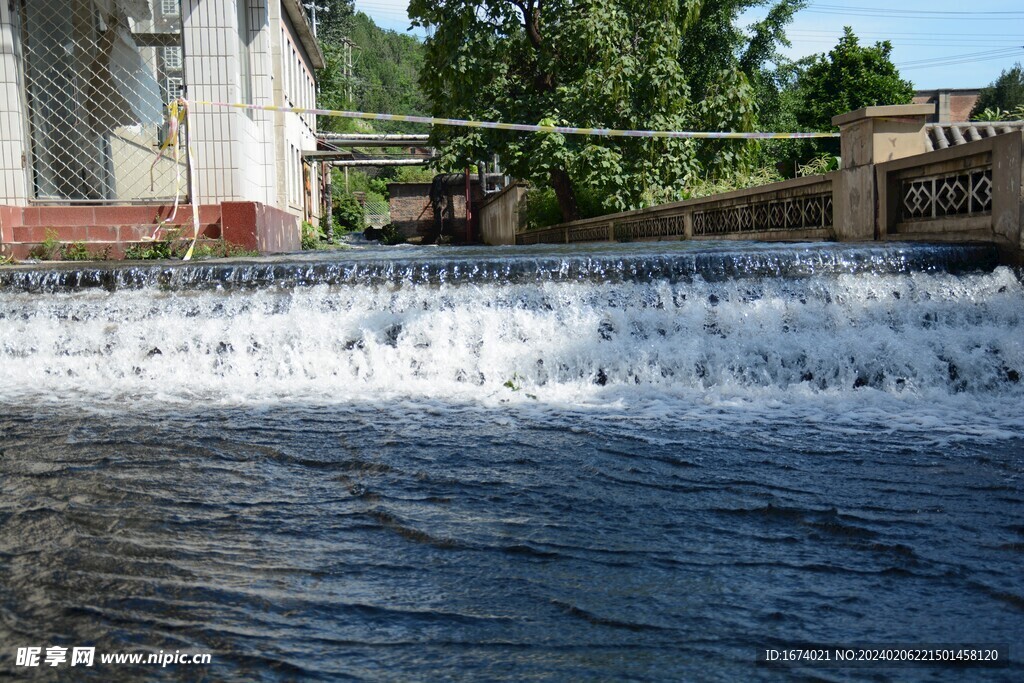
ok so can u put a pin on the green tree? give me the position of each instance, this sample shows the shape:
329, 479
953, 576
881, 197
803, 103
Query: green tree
385, 71
847, 78
333, 89
651, 64
387, 68
1004, 94
332, 23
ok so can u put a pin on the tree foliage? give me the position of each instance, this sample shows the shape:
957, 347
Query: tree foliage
651, 64
348, 214
1005, 94
385, 72
847, 78
387, 69
332, 23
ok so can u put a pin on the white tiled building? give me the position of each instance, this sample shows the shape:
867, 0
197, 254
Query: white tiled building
83, 84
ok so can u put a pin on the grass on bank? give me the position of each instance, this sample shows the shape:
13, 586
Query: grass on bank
174, 246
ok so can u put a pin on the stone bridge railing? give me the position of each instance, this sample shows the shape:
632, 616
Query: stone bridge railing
890, 188
795, 209
967, 192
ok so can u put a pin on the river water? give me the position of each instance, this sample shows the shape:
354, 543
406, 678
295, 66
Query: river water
641, 462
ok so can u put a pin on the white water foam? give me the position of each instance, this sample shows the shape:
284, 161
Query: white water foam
934, 354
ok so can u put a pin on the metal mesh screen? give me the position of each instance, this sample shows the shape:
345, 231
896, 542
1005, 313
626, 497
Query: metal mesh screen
97, 76
377, 212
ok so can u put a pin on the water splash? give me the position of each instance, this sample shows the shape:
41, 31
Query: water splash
895, 320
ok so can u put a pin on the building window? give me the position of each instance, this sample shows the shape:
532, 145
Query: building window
172, 58
170, 8
244, 58
175, 88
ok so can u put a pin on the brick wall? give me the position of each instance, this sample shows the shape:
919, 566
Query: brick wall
411, 212
950, 105
115, 228
413, 216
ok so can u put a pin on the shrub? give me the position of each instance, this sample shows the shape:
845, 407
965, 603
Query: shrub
348, 215
755, 177
820, 165
540, 207
77, 251
176, 247
388, 235
48, 250
311, 236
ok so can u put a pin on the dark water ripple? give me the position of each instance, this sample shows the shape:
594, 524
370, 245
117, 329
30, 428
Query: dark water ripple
328, 544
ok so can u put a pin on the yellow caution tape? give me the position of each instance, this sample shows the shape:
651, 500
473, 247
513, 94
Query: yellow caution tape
569, 130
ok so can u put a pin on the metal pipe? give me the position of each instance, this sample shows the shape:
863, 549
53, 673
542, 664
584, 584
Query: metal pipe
374, 136
381, 162
371, 143
338, 155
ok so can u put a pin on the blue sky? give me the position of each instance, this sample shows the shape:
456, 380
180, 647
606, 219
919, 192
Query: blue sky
936, 43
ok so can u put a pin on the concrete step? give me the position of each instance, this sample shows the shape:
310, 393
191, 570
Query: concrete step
36, 234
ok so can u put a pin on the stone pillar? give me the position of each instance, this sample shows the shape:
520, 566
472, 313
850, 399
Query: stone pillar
1008, 195
870, 136
945, 106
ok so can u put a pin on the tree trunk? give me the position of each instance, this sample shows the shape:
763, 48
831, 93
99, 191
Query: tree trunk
565, 194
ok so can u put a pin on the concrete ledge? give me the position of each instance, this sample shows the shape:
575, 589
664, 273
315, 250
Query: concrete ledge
886, 111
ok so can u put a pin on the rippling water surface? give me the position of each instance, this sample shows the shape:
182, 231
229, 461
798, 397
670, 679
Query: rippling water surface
612, 473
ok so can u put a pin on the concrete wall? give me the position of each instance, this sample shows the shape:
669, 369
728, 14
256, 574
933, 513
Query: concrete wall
799, 209
13, 134
996, 163
499, 215
233, 148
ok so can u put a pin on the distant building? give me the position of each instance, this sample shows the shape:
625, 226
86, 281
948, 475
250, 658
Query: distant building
950, 104
84, 87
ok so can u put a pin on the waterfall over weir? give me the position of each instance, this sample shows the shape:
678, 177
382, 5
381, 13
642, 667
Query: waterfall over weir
626, 462
676, 320
674, 262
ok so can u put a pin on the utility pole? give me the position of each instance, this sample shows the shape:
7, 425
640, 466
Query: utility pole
347, 66
313, 8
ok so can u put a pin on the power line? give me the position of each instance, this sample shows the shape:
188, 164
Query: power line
924, 39
907, 33
970, 56
954, 63
891, 11
877, 15
909, 43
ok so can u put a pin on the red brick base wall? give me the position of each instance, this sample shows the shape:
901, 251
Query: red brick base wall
250, 225
260, 227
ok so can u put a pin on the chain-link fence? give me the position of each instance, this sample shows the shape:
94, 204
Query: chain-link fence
98, 74
377, 212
